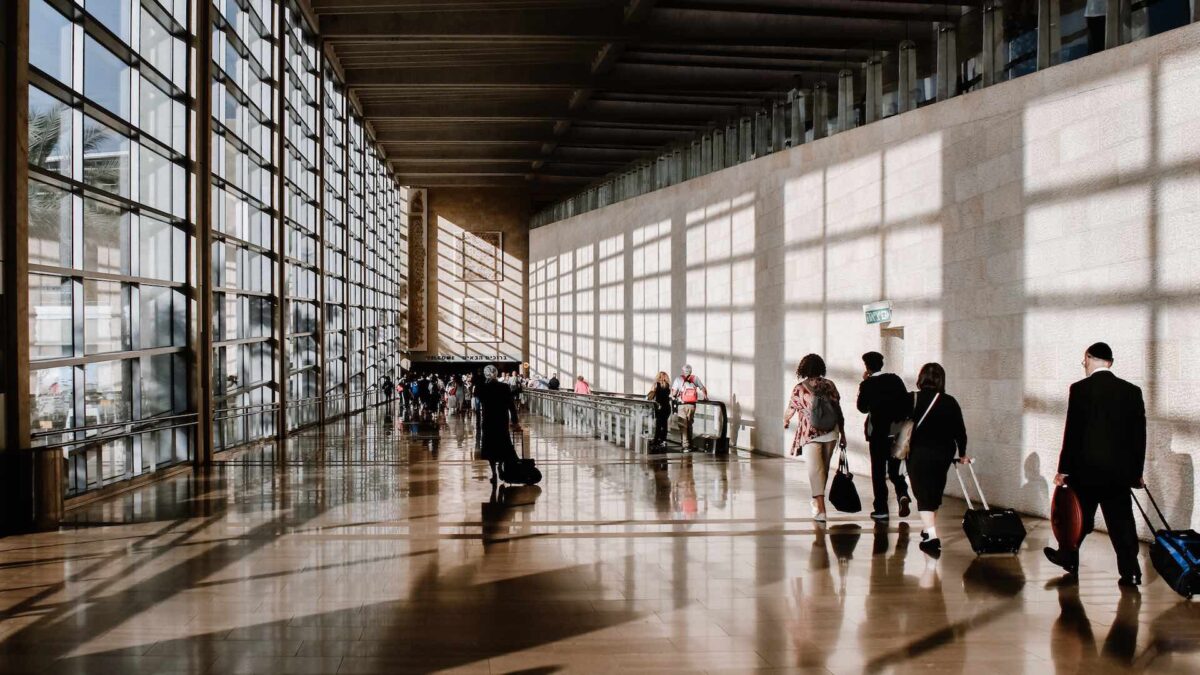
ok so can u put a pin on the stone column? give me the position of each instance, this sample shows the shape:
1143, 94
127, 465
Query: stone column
873, 76
947, 62
820, 110
993, 42
797, 102
907, 89
845, 100
778, 127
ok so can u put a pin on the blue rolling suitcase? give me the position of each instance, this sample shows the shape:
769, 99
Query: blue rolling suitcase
1175, 554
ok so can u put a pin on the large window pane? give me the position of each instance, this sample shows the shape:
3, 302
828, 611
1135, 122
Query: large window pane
107, 393
106, 319
49, 225
49, 132
51, 334
114, 14
156, 259
51, 394
160, 312
105, 158
49, 41
157, 383
157, 180
105, 238
105, 78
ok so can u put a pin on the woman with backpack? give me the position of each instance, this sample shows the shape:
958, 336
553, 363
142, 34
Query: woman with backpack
939, 438
821, 428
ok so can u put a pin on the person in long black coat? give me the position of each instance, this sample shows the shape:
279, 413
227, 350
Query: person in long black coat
939, 439
496, 408
1103, 457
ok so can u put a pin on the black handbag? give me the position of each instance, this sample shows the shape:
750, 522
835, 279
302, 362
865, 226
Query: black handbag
843, 496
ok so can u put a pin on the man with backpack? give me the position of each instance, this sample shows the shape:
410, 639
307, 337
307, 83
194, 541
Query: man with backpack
688, 389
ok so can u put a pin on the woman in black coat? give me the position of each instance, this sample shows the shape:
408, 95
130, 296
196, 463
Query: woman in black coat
496, 407
939, 438
660, 393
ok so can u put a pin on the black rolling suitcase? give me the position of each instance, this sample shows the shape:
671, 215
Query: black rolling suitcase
1175, 554
520, 470
989, 530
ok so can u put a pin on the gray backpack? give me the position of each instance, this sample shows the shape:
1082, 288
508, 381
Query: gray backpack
823, 412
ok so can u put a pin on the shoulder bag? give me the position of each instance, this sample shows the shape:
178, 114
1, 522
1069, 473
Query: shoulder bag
903, 441
843, 496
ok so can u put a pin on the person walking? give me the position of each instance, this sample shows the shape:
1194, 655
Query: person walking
582, 386
460, 394
883, 397
688, 389
939, 438
660, 393
496, 408
1103, 457
553, 385
822, 426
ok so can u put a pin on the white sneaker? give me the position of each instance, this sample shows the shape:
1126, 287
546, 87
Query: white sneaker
818, 516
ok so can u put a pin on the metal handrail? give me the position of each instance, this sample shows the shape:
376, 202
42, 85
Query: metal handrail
625, 421
150, 425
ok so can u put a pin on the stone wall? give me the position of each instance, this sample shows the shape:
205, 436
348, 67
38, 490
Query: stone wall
1009, 227
460, 279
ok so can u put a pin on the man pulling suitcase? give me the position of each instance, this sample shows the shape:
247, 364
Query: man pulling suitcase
1103, 455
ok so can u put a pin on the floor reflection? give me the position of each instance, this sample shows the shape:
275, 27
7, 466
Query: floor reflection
374, 545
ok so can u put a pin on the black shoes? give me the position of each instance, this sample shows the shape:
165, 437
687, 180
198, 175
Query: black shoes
904, 506
1057, 557
1130, 581
931, 547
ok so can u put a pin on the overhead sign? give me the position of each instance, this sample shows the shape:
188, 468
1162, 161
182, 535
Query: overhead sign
464, 358
878, 312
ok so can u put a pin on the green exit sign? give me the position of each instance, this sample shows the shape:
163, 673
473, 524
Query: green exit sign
878, 312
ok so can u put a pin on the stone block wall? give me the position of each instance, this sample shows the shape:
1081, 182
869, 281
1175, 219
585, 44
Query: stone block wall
1009, 227
473, 215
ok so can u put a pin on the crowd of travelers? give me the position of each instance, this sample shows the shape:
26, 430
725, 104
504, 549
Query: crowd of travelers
913, 437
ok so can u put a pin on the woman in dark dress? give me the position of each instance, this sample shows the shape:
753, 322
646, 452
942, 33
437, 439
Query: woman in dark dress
939, 439
660, 393
496, 407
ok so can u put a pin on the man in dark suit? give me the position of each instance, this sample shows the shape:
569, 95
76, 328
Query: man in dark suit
883, 396
1103, 453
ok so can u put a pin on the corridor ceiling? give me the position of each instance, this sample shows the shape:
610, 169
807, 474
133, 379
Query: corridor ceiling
555, 94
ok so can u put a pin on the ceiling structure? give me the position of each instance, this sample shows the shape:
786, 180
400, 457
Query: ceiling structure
555, 94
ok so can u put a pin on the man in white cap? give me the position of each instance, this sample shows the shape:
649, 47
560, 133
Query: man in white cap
688, 389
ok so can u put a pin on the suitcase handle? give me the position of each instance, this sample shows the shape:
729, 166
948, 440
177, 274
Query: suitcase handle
975, 479
1146, 517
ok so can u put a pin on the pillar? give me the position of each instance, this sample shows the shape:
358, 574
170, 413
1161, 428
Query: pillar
820, 110
947, 62
1047, 33
993, 42
873, 80
845, 100
797, 116
907, 87
778, 127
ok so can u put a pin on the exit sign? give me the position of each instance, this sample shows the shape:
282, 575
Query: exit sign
878, 312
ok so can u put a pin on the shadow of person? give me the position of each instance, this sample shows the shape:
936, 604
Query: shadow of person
1035, 491
1177, 474
1072, 637
1175, 632
500, 513
734, 410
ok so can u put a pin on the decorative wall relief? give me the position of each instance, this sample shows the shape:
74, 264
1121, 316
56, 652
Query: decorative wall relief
418, 266
482, 255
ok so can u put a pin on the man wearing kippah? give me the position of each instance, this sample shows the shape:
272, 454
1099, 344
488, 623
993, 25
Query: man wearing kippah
1103, 453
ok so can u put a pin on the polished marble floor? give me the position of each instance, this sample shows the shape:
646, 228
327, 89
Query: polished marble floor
372, 547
